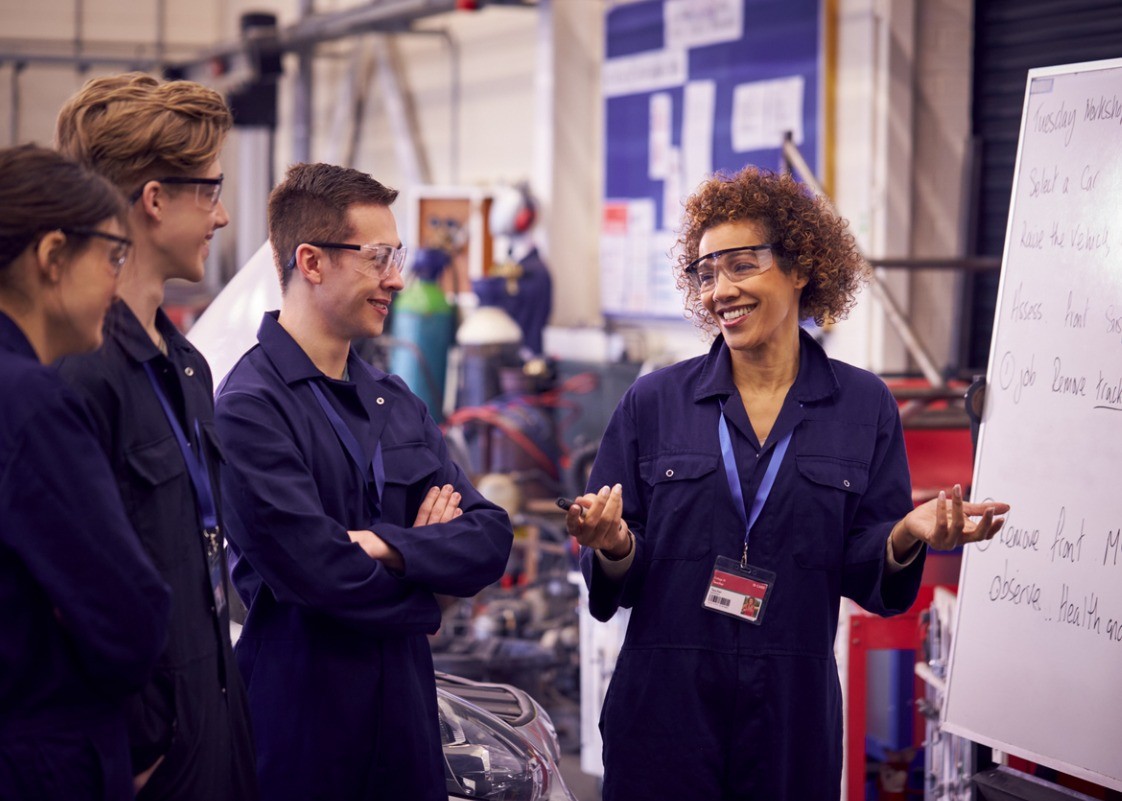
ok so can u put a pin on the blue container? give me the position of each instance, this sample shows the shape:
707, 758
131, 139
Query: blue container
423, 325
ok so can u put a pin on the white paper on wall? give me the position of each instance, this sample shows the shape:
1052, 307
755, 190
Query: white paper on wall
696, 23
643, 72
763, 111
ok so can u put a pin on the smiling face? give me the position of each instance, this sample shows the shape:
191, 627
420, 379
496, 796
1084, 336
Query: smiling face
187, 226
355, 301
756, 314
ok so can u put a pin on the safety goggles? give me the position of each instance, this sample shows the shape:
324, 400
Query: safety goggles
207, 190
737, 264
374, 260
119, 245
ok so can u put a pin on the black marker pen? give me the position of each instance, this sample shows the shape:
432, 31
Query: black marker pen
565, 503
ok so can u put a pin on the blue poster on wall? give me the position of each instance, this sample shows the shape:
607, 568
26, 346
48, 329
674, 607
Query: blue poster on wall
692, 87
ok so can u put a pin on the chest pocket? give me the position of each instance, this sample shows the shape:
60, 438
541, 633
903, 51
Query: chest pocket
682, 496
157, 462
160, 503
835, 488
410, 470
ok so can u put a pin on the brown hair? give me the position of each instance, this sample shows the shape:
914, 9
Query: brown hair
311, 205
132, 128
42, 191
812, 240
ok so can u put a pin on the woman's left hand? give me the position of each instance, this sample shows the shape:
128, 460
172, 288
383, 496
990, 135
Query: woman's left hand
945, 526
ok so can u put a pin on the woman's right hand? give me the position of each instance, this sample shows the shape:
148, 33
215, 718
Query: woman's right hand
596, 521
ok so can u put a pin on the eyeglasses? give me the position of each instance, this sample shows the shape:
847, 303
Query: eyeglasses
207, 190
374, 260
737, 264
119, 250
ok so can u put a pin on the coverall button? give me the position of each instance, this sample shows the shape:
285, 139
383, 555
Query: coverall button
189, 371
669, 473
380, 401
845, 481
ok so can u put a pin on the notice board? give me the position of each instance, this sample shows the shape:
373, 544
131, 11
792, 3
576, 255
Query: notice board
691, 87
1036, 665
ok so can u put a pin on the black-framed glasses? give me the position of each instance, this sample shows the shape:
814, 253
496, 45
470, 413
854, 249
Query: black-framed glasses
737, 264
374, 260
119, 245
207, 190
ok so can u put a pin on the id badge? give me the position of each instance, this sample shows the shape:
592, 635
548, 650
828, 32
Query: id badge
217, 585
740, 592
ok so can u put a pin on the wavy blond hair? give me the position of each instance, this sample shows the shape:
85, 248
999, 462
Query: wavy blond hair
132, 128
812, 240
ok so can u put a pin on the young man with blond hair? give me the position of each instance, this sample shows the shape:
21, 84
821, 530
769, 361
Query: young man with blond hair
149, 393
345, 512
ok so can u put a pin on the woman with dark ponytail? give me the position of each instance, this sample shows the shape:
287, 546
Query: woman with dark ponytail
84, 612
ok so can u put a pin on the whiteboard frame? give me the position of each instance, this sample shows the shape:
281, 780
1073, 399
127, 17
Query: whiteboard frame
1114, 783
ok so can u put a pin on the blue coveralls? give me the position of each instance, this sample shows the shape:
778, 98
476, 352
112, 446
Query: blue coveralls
84, 611
334, 650
701, 705
193, 712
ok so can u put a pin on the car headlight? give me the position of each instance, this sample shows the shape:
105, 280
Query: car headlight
485, 759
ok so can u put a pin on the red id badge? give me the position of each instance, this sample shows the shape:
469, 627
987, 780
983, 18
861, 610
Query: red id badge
740, 592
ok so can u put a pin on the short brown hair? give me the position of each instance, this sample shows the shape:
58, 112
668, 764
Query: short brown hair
42, 191
812, 240
311, 205
132, 128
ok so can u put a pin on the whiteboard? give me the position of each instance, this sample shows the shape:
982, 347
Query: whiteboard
1036, 667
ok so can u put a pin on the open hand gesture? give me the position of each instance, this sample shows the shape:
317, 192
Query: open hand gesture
946, 525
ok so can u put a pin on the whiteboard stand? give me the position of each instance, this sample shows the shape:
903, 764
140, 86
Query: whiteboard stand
1006, 784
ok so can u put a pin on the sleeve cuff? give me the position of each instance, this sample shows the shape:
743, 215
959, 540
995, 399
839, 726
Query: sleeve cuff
616, 569
891, 566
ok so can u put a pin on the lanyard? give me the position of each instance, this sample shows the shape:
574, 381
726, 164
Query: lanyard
732, 474
353, 449
196, 465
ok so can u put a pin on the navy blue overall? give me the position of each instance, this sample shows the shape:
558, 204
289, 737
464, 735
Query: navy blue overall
84, 611
702, 705
193, 711
334, 650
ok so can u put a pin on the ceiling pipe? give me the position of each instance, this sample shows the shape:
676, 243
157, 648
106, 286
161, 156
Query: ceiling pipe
198, 64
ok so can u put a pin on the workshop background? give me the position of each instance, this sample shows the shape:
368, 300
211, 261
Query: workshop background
512, 128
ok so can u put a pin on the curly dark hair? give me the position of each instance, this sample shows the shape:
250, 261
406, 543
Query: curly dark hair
812, 240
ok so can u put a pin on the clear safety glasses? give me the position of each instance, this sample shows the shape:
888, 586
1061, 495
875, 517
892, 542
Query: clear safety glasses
119, 246
374, 260
207, 190
737, 264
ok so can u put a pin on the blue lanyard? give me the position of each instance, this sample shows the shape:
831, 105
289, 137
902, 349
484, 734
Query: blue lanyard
732, 474
352, 447
196, 465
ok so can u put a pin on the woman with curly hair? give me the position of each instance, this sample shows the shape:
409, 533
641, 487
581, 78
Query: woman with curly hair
742, 493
